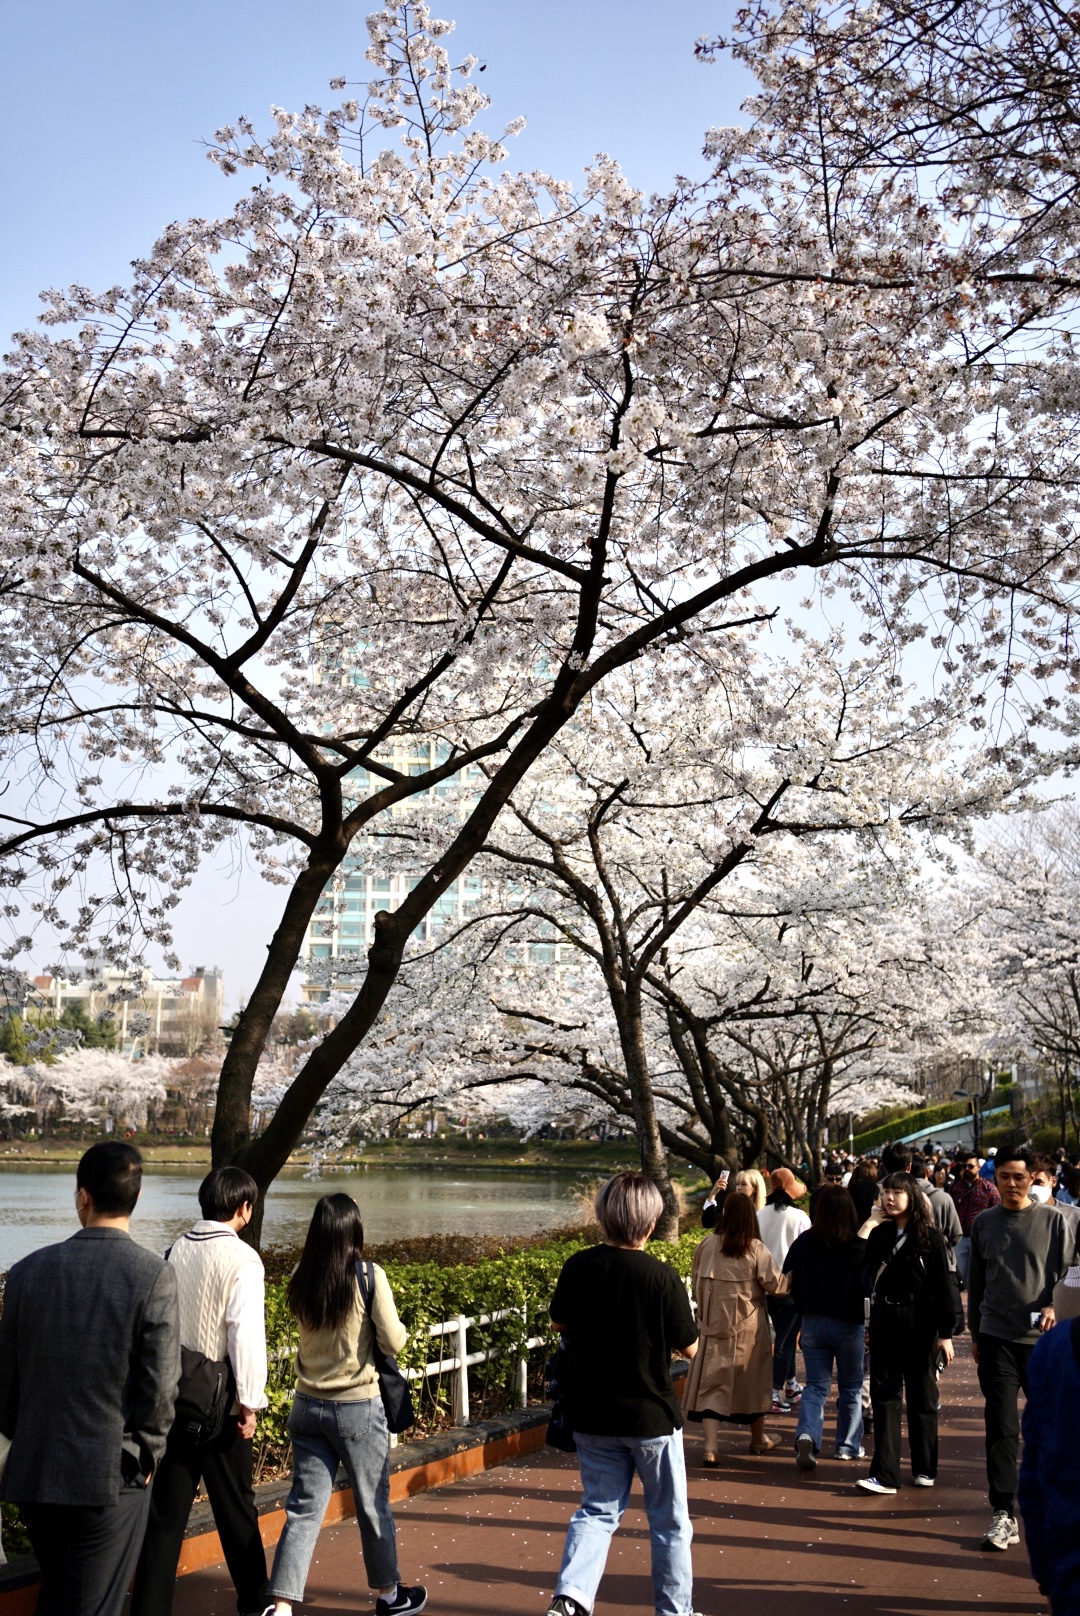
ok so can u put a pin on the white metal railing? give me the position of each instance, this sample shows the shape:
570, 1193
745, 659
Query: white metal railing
463, 1360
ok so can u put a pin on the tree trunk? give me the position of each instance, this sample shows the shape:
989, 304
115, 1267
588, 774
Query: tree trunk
653, 1156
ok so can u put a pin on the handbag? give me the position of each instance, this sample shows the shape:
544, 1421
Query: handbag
393, 1387
556, 1384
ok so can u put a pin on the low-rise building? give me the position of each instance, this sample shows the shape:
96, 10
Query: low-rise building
177, 1015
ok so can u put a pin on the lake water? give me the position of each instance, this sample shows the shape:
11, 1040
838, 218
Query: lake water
37, 1203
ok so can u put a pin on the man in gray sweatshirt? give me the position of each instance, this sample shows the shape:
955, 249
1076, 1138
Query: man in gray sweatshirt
1019, 1251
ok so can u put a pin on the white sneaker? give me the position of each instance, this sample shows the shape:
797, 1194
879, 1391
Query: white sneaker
805, 1457
923, 1481
1002, 1532
846, 1457
870, 1484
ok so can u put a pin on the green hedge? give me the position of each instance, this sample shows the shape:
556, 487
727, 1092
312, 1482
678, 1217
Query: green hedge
428, 1293
926, 1117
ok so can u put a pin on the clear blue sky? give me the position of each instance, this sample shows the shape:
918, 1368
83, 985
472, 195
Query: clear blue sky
106, 103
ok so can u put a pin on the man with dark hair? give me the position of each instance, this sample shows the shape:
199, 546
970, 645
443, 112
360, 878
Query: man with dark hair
944, 1209
1019, 1251
971, 1194
89, 1365
895, 1159
220, 1282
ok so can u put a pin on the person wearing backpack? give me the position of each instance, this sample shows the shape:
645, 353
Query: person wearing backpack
223, 1330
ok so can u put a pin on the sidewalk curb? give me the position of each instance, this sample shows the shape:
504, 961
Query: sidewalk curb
415, 1467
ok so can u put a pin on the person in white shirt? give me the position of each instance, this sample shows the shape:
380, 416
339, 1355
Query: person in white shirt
220, 1283
780, 1223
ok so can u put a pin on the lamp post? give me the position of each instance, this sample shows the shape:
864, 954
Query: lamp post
976, 1117
978, 1098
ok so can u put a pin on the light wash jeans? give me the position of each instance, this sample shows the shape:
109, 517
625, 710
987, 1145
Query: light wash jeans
325, 1434
608, 1465
823, 1340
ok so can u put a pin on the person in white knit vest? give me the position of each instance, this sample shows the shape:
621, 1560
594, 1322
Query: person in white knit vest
221, 1288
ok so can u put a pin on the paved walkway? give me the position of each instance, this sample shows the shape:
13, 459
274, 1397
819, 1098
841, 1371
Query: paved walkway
492, 1545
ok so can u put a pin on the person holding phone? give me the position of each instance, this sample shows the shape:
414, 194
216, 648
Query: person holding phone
911, 1313
714, 1201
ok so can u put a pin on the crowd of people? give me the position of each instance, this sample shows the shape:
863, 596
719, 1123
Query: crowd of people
126, 1379
871, 1283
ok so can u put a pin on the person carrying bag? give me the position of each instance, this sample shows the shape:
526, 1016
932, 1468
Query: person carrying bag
911, 1317
350, 1394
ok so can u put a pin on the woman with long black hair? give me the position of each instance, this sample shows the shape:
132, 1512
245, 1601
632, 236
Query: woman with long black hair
825, 1265
337, 1414
911, 1315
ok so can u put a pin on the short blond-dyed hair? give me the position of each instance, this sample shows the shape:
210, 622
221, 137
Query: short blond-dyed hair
750, 1182
628, 1207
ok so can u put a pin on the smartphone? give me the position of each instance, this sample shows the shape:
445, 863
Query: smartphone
1036, 1317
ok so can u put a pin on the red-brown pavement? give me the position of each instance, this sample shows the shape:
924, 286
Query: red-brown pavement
492, 1545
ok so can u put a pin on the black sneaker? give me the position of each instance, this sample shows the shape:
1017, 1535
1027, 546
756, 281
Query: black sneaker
563, 1605
404, 1603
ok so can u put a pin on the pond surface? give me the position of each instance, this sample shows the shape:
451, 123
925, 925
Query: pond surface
37, 1203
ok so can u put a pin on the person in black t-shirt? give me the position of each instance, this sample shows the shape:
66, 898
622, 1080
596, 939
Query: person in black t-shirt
624, 1314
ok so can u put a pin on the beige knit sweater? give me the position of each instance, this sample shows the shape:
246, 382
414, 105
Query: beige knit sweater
337, 1364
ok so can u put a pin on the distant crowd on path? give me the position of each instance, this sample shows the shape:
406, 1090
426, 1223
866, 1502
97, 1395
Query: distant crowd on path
873, 1278
126, 1379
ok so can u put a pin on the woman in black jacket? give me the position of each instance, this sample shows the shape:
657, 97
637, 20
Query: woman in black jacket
911, 1314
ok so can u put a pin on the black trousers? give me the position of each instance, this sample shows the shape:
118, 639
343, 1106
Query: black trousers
786, 1319
87, 1552
225, 1466
903, 1370
1003, 1375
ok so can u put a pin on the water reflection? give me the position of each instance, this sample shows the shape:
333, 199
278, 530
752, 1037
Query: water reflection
37, 1203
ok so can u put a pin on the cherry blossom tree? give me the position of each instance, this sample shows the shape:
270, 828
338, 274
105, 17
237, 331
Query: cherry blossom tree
352, 497
1027, 903
703, 916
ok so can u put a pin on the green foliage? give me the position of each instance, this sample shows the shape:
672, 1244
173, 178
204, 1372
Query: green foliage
1047, 1140
95, 1034
13, 1041
925, 1117
431, 1292
14, 1032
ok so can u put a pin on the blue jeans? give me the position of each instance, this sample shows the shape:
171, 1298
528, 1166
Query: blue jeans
323, 1435
824, 1340
608, 1465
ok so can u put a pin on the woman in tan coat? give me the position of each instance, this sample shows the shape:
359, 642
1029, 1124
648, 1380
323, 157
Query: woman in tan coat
731, 1378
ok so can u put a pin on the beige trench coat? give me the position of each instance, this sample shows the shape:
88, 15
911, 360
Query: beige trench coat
731, 1375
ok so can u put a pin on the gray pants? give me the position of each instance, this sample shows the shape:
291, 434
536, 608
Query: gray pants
324, 1435
962, 1253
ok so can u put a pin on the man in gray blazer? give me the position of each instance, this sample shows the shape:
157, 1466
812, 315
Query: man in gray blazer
89, 1366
